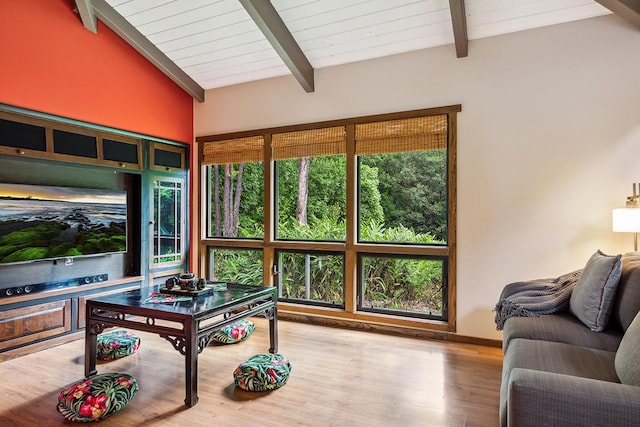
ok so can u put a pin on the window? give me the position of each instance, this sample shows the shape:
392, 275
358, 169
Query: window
311, 277
409, 285
311, 184
235, 188
402, 180
167, 245
236, 266
354, 219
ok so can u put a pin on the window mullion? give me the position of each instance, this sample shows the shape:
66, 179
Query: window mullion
350, 276
269, 260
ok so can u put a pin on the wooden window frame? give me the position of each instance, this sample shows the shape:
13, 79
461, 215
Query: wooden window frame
351, 248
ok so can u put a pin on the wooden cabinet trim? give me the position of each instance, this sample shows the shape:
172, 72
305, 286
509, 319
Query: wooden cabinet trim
28, 324
70, 290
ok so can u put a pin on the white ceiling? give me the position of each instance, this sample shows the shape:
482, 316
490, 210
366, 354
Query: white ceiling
216, 43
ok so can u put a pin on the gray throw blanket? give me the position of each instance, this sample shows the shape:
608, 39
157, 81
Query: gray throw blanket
535, 297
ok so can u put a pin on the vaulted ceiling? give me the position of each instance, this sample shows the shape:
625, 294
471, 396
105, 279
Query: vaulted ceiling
205, 44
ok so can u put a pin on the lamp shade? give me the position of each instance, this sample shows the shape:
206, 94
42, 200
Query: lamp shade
626, 220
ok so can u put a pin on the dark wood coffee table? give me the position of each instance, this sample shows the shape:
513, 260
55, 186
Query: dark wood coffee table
188, 325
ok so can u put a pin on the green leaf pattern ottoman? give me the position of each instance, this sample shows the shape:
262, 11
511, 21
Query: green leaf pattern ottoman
235, 332
262, 372
97, 397
116, 344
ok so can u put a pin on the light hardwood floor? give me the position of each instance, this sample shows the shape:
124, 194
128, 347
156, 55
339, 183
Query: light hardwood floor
339, 378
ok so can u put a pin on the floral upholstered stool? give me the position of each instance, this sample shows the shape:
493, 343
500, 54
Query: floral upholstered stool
235, 332
262, 372
97, 397
116, 344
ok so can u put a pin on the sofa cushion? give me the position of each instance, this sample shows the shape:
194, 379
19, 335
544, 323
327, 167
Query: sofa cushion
628, 356
593, 296
561, 327
97, 397
627, 303
559, 358
545, 399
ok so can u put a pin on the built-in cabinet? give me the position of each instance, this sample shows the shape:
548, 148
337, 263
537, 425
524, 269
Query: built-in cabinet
28, 322
166, 158
41, 320
37, 148
33, 137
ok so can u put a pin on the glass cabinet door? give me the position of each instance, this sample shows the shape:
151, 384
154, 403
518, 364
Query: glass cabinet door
168, 224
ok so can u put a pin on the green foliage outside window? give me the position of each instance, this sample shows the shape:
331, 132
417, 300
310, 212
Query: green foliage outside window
326, 204
167, 221
407, 284
249, 210
237, 266
402, 198
323, 284
413, 189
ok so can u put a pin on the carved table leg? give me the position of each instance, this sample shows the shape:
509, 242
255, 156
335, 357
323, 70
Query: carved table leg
273, 329
191, 368
90, 343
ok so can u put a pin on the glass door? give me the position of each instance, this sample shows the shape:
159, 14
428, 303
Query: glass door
168, 223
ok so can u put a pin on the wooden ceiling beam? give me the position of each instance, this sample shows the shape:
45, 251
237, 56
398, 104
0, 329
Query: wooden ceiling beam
629, 10
100, 9
87, 16
270, 23
459, 22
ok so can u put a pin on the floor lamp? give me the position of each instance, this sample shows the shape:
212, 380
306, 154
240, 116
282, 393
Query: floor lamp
627, 220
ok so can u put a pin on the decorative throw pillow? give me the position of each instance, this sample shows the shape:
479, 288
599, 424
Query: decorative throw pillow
262, 372
627, 302
235, 332
116, 344
593, 296
97, 397
627, 360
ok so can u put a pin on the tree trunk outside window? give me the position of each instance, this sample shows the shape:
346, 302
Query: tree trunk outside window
303, 190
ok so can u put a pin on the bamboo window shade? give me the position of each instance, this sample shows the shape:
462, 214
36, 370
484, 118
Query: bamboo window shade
239, 150
309, 143
413, 134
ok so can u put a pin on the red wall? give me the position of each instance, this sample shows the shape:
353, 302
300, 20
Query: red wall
50, 63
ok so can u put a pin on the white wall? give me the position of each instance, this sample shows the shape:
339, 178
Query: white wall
548, 141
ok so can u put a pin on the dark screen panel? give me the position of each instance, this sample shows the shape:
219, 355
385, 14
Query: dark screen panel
172, 159
119, 151
74, 144
22, 135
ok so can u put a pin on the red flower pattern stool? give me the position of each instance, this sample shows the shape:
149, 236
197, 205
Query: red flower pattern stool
262, 372
97, 397
235, 332
116, 344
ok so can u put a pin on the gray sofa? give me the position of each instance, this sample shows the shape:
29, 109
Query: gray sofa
559, 372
